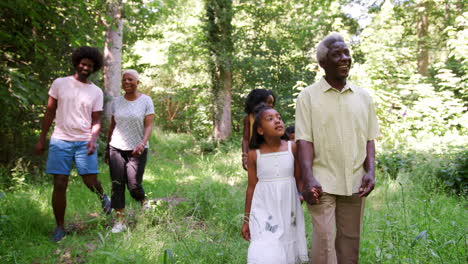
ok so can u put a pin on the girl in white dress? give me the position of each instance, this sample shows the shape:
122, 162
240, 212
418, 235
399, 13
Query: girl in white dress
274, 221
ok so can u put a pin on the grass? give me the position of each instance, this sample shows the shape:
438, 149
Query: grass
405, 221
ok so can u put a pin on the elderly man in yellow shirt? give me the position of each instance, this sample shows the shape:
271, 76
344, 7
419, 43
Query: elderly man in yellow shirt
336, 126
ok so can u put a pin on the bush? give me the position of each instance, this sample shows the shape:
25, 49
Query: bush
392, 162
454, 171
21, 172
449, 169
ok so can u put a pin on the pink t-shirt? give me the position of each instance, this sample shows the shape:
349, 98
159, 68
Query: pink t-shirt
75, 103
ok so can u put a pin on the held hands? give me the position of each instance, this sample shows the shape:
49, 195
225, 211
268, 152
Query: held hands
368, 183
246, 231
312, 192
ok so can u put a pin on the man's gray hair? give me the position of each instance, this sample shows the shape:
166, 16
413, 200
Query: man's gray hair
322, 48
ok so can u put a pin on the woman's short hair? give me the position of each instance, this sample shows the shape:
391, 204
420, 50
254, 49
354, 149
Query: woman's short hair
322, 47
258, 139
132, 72
255, 97
88, 53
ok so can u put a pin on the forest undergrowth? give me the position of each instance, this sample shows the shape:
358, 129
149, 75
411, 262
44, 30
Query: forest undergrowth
198, 190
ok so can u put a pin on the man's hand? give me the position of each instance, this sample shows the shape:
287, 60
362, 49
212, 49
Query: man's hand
39, 147
368, 183
312, 191
91, 147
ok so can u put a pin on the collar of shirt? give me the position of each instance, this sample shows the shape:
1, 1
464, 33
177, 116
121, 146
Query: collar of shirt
325, 86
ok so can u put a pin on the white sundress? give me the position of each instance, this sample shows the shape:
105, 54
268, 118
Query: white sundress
276, 219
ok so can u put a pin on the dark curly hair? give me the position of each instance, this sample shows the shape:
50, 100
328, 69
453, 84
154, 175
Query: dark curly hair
289, 130
258, 139
89, 53
255, 97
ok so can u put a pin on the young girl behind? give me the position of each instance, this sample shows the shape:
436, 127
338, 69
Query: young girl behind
274, 221
289, 133
253, 100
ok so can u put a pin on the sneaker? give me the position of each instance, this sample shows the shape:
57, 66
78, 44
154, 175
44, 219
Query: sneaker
59, 233
118, 227
106, 204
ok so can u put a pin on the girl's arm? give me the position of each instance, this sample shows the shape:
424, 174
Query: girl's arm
245, 141
252, 182
297, 169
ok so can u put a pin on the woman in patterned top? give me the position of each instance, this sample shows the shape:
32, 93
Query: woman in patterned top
129, 132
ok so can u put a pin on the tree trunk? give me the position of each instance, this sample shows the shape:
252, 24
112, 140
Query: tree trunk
219, 35
423, 26
112, 54
222, 120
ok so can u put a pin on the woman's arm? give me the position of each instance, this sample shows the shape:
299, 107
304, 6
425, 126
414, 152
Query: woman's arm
252, 182
148, 127
245, 141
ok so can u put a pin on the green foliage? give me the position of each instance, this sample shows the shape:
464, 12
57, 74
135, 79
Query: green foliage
272, 48
37, 38
408, 219
454, 171
175, 72
392, 162
406, 223
444, 169
181, 112
412, 107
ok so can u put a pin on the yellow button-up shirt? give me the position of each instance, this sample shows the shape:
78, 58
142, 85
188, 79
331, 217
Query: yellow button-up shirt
339, 124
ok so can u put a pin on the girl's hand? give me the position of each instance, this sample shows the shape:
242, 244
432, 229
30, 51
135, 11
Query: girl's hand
244, 161
246, 231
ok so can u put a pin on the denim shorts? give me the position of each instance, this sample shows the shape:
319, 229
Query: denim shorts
63, 153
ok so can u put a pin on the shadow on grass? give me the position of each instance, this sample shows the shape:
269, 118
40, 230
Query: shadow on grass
23, 224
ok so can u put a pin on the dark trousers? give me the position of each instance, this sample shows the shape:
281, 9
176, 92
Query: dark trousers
126, 169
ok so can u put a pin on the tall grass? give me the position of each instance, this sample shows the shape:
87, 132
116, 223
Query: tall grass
408, 218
